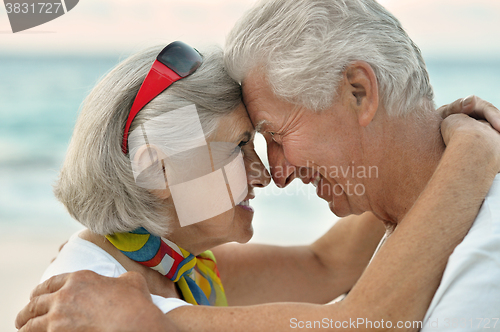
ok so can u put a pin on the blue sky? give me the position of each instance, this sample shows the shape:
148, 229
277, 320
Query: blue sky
450, 28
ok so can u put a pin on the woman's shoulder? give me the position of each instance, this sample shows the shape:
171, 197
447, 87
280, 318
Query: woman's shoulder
79, 254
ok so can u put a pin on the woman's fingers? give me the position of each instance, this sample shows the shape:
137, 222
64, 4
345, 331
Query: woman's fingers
482, 110
465, 124
450, 124
456, 107
475, 107
29, 316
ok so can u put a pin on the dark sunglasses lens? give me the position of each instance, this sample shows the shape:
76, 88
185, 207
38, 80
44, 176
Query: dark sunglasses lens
181, 58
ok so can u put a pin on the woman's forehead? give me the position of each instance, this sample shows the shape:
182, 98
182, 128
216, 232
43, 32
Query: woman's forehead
235, 126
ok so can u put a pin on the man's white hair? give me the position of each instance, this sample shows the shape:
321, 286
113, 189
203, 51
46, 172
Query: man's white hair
304, 47
96, 183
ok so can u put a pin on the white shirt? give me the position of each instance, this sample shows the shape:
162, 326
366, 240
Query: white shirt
468, 298
79, 254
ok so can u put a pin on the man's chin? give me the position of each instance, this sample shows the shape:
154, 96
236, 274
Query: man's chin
338, 210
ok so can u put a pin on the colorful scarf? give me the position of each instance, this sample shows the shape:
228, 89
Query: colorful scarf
196, 276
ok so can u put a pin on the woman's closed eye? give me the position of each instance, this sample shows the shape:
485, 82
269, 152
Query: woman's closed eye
243, 143
240, 146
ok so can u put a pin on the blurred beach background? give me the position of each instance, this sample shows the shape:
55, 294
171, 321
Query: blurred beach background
46, 72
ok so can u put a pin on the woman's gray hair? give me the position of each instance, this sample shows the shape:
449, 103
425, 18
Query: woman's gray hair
96, 183
304, 47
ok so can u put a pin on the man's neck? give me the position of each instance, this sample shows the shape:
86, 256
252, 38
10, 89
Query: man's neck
412, 150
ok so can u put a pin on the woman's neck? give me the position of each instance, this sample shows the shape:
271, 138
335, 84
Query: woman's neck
157, 284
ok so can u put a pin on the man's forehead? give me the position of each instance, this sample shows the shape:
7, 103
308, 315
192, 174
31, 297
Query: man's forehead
260, 120
259, 99
259, 126
255, 85
266, 110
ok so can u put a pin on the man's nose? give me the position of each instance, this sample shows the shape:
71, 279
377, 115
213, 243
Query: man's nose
257, 174
259, 178
282, 171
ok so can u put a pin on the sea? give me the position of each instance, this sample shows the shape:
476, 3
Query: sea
40, 98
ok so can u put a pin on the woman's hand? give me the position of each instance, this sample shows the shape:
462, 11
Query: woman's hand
459, 124
485, 137
474, 107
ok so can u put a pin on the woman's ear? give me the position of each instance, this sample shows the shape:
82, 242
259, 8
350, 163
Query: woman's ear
150, 168
361, 89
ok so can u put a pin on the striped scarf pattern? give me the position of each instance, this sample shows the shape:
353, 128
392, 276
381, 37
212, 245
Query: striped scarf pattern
196, 276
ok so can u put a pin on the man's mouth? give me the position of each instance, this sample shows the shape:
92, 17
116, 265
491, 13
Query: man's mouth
323, 186
316, 178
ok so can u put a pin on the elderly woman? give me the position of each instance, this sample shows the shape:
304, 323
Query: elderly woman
109, 184
132, 187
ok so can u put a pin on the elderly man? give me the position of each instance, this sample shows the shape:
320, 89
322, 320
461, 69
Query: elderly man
334, 85
368, 102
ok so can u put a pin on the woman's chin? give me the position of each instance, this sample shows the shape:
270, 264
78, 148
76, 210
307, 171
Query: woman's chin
246, 235
244, 212
243, 221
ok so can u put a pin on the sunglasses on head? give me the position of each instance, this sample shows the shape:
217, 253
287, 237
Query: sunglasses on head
176, 61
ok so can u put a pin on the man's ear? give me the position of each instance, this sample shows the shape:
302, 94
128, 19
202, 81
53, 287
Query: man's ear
148, 162
361, 91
